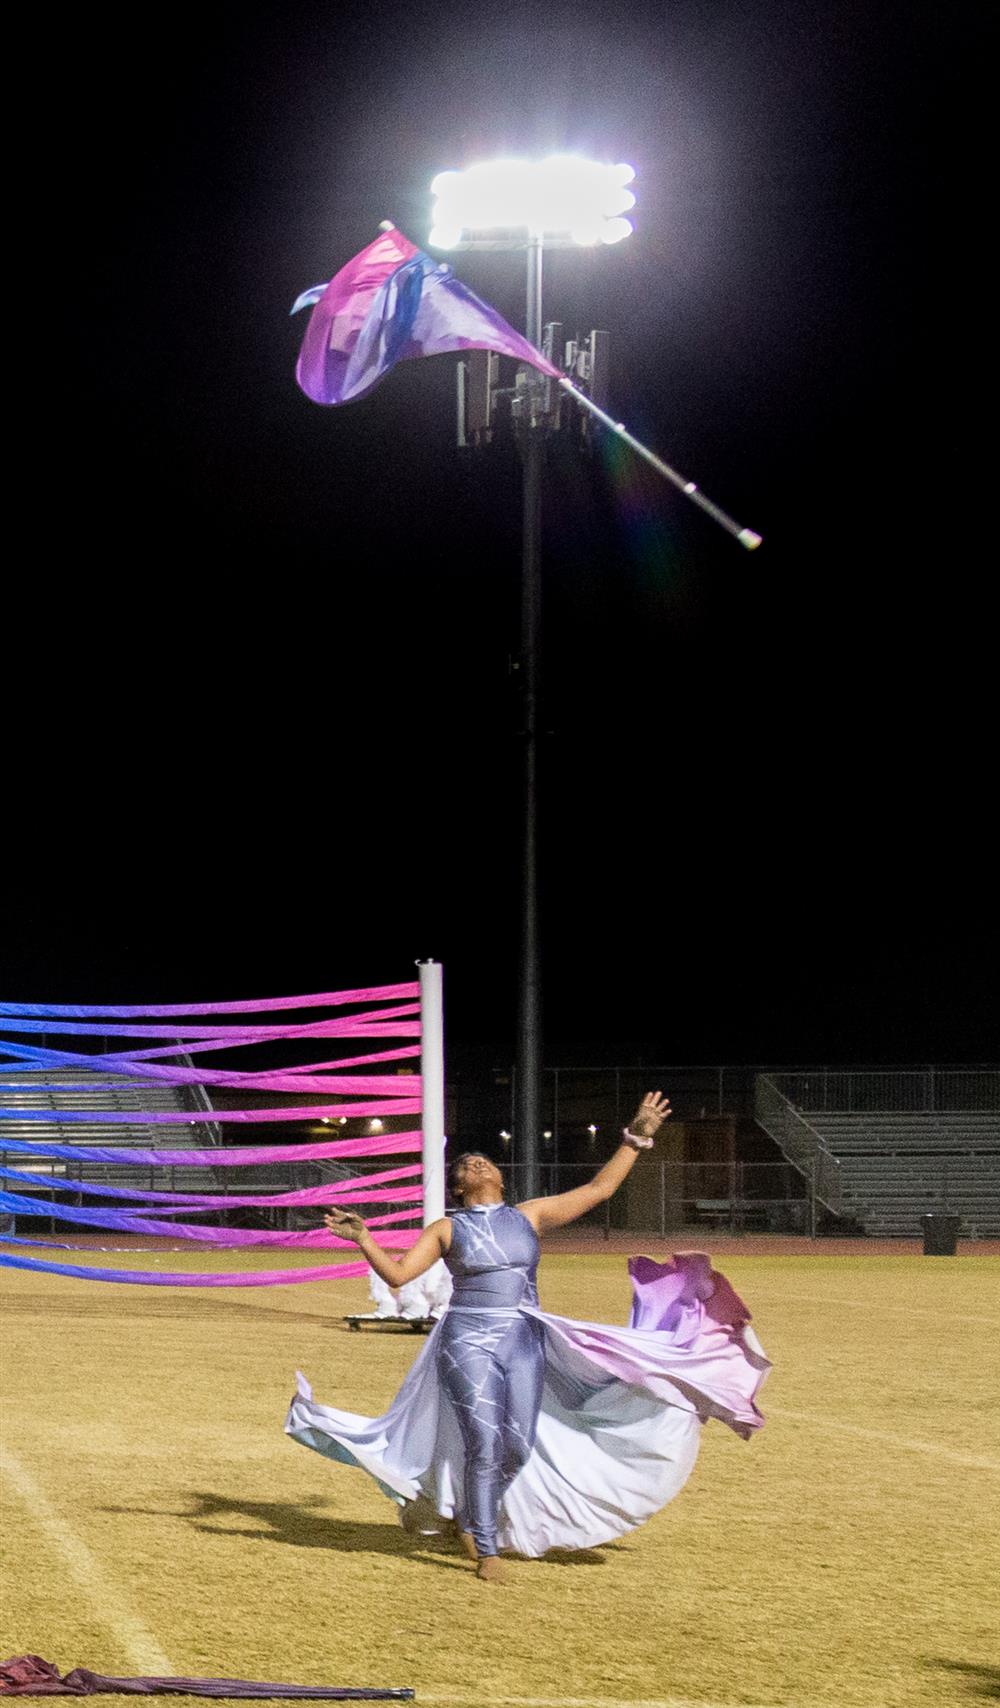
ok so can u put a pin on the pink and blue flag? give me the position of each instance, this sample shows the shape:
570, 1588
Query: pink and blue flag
390, 303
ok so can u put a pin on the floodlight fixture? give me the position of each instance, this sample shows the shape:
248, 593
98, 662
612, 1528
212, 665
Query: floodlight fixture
561, 200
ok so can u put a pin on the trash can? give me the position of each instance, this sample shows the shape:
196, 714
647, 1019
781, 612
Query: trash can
940, 1235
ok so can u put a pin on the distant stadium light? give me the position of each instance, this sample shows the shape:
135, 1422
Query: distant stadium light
564, 196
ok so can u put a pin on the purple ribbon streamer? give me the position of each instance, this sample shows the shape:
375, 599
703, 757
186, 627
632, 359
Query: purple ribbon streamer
336, 1085
258, 1278
401, 1019
53, 1244
29, 1063
354, 1190
390, 303
229, 1036
218, 1238
188, 1117
390, 1144
403, 1195
270, 1004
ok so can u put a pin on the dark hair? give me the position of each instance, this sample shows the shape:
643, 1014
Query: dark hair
454, 1166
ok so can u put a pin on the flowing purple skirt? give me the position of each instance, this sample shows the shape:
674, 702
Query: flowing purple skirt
620, 1421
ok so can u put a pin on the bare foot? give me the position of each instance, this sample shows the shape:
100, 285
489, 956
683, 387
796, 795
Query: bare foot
490, 1570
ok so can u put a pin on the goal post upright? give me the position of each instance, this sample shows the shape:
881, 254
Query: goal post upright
432, 1086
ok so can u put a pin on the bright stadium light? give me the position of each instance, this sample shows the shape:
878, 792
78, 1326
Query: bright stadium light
562, 199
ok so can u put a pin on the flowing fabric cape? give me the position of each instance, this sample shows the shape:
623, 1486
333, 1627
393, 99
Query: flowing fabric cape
620, 1421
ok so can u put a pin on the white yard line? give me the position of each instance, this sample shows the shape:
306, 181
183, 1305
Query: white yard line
104, 1595
971, 1461
887, 1310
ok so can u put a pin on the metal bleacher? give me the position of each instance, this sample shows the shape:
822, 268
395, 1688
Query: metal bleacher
109, 1091
103, 1092
883, 1167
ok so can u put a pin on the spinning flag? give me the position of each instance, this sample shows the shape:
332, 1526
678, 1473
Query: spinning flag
390, 303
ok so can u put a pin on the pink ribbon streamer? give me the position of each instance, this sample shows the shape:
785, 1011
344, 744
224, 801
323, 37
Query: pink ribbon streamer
188, 1117
30, 1062
147, 1278
230, 1036
390, 1144
330, 1192
328, 999
303, 1200
378, 1094
218, 1238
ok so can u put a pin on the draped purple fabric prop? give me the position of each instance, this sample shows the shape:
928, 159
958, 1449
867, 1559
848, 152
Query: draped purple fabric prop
392, 302
385, 1012
29, 1675
343, 1085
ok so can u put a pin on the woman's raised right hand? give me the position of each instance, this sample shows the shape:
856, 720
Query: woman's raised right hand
345, 1225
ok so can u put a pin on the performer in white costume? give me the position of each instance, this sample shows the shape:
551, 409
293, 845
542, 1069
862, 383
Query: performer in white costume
528, 1431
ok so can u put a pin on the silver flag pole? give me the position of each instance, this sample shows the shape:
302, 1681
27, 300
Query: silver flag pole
746, 536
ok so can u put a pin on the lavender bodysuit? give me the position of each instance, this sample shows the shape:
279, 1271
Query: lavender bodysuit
490, 1357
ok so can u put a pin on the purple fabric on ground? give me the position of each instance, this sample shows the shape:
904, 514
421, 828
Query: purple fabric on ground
29, 1675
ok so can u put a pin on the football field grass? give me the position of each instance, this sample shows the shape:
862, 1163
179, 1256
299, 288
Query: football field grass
157, 1520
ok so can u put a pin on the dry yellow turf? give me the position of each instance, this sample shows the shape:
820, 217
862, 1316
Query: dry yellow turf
157, 1519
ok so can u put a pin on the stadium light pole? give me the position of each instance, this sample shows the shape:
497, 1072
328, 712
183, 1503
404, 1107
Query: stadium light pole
513, 205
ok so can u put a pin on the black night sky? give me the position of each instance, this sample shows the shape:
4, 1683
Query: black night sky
261, 724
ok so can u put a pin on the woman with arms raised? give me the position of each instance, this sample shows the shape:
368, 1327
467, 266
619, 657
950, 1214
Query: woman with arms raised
460, 1438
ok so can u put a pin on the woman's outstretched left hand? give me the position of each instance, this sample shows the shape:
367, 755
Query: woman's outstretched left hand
345, 1226
650, 1115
